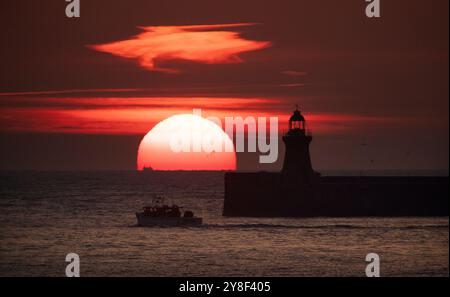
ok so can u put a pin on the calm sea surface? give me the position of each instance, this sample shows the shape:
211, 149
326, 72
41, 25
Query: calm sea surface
44, 216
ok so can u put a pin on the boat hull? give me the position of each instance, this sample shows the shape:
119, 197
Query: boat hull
148, 221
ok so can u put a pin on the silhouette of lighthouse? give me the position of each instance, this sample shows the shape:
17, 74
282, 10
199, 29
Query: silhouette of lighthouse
297, 165
299, 191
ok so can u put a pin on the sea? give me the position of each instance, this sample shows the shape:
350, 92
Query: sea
46, 215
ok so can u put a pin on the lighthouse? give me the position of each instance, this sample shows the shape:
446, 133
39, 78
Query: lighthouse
299, 191
297, 161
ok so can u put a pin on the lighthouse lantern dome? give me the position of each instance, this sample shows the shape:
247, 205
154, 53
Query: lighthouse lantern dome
297, 121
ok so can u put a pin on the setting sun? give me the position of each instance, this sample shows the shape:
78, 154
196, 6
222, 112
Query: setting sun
158, 151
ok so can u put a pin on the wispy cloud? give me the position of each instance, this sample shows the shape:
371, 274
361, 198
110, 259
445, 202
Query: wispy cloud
293, 85
138, 115
61, 92
294, 73
209, 44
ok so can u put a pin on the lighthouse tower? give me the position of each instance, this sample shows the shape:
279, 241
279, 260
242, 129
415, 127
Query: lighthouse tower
297, 162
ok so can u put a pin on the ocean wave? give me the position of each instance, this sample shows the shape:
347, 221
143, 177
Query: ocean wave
330, 226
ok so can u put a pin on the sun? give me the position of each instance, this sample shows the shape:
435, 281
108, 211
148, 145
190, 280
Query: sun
186, 142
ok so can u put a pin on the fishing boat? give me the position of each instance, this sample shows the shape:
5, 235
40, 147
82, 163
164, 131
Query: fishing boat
162, 215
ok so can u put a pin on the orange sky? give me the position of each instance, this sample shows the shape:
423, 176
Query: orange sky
110, 77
